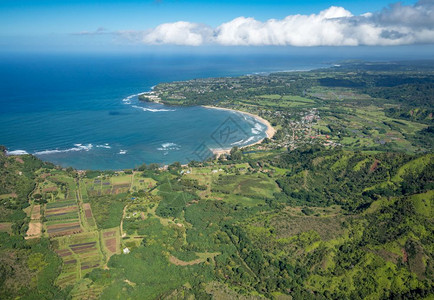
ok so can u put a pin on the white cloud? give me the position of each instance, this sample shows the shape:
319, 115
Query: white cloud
296, 30
395, 25
179, 33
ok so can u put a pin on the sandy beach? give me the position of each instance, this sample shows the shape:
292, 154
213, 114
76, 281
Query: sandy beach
270, 130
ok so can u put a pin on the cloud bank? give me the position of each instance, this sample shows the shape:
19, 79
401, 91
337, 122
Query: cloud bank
395, 25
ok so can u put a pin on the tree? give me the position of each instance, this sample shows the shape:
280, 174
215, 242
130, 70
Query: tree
141, 168
236, 153
174, 166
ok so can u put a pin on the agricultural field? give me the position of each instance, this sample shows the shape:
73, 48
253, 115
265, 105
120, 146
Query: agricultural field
80, 253
66, 217
111, 241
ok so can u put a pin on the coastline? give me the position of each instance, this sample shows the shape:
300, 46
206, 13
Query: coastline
270, 132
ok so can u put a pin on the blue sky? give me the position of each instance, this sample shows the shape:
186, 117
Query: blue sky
114, 24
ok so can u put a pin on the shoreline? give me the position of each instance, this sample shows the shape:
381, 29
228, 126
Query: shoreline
270, 132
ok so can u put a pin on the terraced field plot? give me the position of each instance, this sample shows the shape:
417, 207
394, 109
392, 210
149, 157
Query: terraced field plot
63, 213
111, 241
80, 254
62, 218
64, 228
88, 214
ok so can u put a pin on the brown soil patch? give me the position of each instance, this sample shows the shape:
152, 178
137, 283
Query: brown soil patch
88, 213
89, 266
87, 210
18, 159
5, 227
404, 255
66, 232
45, 175
60, 210
62, 225
111, 245
179, 262
34, 230
109, 234
374, 166
82, 244
85, 247
68, 262
36, 212
64, 229
49, 189
63, 252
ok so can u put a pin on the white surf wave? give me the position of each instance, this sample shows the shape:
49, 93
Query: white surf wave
152, 109
169, 146
17, 152
237, 143
123, 152
127, 100
105, 146
257, 129
243, 142
249, 140
77, 147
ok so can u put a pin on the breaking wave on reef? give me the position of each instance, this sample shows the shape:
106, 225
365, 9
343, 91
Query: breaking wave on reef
77, 147
152, 109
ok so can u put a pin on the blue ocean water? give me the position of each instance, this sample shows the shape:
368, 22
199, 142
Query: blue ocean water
78, 110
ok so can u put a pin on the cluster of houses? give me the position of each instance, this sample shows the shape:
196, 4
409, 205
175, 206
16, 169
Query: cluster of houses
299, 128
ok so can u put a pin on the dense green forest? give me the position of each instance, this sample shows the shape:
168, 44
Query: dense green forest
339, 204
